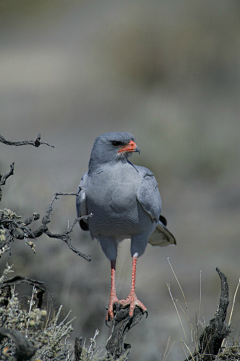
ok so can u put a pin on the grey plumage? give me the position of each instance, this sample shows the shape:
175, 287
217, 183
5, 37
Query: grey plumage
123, 198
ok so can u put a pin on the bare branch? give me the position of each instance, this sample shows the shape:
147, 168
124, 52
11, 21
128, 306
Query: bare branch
36, 143
13, 228
211, 339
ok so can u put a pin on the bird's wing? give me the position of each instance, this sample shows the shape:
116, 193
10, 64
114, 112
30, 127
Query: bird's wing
148, 194
81, 203
149, 197
161, 236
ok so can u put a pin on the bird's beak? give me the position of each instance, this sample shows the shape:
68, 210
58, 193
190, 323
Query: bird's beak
130, 147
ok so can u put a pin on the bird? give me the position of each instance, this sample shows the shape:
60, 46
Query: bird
124, 202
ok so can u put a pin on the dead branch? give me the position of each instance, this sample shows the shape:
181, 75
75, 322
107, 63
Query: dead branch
36, 143
122, 323
211, 339
12, 228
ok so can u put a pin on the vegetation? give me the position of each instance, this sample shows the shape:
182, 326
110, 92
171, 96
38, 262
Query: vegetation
30, 332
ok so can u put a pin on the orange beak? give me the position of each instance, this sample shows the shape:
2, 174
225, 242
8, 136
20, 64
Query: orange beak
130, 147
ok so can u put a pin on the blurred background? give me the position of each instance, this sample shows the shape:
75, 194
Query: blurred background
167, 71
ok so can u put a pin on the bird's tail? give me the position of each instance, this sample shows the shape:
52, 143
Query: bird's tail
161, 236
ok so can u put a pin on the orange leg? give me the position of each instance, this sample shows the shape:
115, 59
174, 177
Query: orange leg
132, 299
113, 297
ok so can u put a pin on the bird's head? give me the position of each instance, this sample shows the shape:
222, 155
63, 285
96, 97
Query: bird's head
112, 147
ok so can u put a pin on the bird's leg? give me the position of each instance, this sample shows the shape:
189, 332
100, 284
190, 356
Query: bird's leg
113, 297
132, 299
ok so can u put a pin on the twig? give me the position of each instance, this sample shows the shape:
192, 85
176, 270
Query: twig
7, 175
36, 143
4, 177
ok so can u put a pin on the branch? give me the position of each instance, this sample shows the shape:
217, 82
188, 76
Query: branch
36, 143
211, 339
213, 335
12, 228
122, 323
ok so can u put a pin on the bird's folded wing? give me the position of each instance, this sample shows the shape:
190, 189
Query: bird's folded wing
161, 236
81, 204
148, 195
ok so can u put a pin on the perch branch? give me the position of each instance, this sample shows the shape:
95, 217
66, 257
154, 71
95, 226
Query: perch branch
122, 323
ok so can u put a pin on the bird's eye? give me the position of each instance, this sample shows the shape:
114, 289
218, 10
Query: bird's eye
115, 143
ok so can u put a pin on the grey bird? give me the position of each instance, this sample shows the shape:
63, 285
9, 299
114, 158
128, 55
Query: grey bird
125, 203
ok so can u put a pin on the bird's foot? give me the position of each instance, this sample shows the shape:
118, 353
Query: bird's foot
133, 301
110, 315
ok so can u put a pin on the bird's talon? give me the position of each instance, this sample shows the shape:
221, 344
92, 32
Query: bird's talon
106, 323
116, 307
130, 319
146, 312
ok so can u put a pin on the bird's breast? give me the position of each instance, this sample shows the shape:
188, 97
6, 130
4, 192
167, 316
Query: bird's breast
114, 205
113, 199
